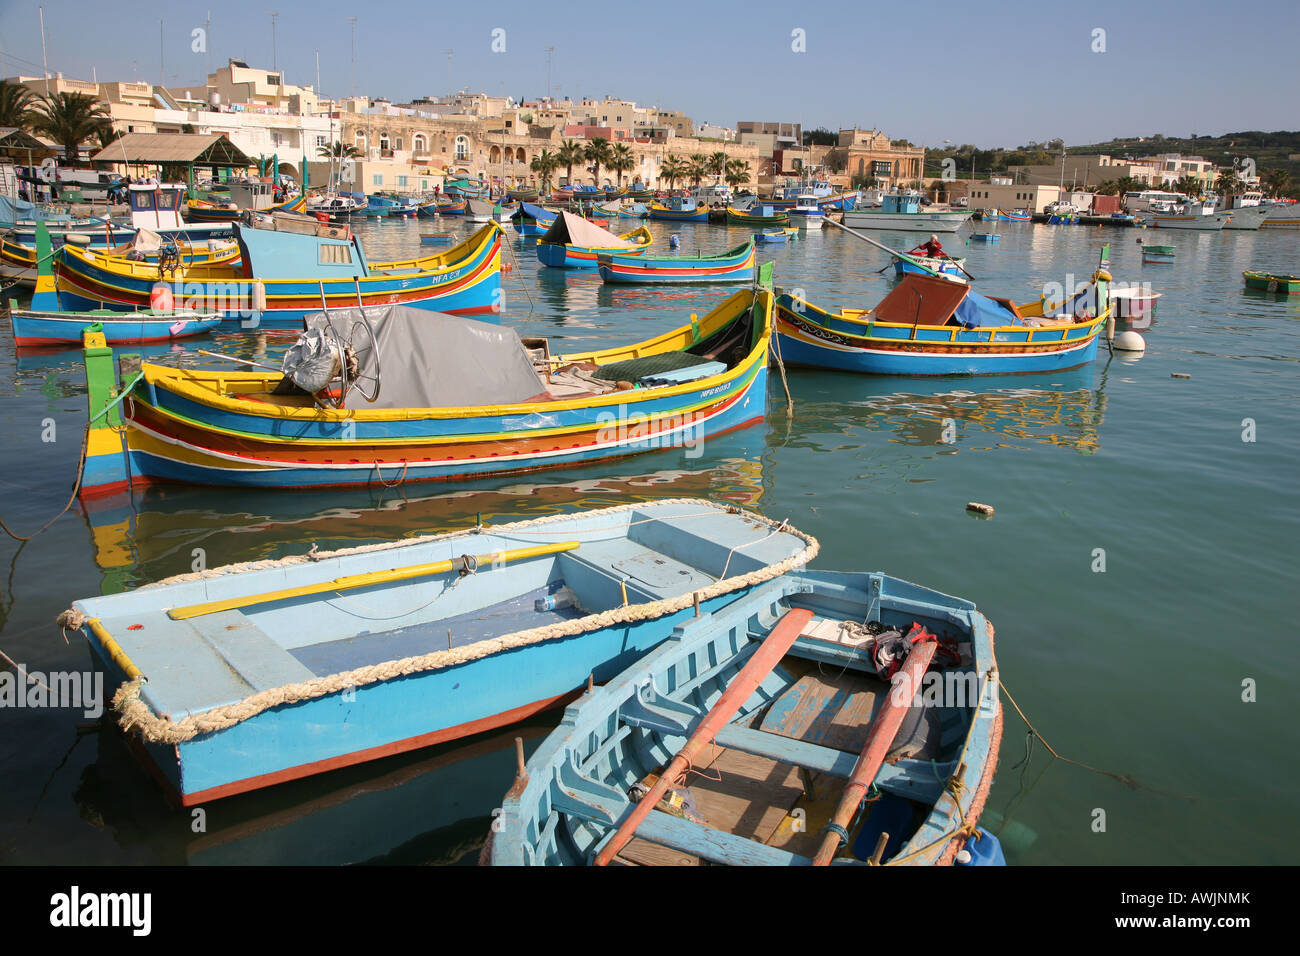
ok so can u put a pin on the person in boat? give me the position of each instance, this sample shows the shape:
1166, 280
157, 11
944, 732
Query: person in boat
932, 249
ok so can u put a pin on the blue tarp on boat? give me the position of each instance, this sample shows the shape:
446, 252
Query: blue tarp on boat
979, 311
536, 212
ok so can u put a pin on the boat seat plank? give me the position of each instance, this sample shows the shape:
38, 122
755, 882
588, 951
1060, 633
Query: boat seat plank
751, 798
249, 651
185, 673
712, 845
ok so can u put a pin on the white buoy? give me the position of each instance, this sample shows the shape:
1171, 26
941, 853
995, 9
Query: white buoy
1130, 342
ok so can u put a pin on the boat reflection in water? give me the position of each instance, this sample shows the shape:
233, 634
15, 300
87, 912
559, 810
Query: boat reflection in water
432, 806
1058, 408
164, 530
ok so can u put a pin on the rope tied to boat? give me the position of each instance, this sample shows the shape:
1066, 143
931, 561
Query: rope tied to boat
135, 714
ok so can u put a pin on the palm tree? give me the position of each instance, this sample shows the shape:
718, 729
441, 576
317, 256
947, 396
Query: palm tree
1278, 181
1227, 183
1128, 184
670, 170
717, 164
545, 164
622, 160
1108, 187
570, 154
1188, 186
599, 152
338, 150
70, 119
16, 102
697, 168
106, 135
736, 172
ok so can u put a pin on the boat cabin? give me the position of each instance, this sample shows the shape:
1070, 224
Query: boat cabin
252, 194
157, 206
281, 250
900, 203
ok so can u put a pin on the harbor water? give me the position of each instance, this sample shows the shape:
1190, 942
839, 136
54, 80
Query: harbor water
1138, 569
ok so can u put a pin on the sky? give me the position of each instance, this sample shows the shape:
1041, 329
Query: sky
1000, 74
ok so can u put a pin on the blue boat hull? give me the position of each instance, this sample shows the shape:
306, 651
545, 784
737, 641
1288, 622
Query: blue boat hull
863, 362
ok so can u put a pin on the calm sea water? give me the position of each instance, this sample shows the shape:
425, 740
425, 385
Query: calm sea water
1138, 669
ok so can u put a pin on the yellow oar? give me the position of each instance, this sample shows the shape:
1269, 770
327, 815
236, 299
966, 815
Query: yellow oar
365, 580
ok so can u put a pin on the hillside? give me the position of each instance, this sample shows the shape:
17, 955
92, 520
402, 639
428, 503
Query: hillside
1268, 150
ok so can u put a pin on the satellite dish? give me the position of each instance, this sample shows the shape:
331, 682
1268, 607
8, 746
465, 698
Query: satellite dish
330, 367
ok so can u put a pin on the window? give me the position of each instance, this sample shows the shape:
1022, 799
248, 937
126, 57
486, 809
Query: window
401, 180
320, 140
272, 80
397, 143
378, 179
420, 144
335, 255
462, 148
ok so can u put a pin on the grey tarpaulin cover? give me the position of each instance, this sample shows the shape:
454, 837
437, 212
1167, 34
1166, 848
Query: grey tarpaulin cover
434, 360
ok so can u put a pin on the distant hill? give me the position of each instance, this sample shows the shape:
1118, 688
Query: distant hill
1268, 150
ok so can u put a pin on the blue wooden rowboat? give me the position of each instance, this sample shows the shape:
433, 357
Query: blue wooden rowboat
774, 702
945, 265
437, 238
460, 399
759, 214
244, 677
572, 242
533, 220
284, 276
933, 326
734, 265
777, 235
985, 237
679, 209
119, 328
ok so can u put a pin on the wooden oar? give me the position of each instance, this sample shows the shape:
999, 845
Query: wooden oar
880, 245
764, 660
884, 728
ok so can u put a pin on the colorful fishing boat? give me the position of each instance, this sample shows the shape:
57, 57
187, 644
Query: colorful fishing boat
460, 399
679, 209
929, 265
118, 328
758, 214
735, 265
248, 676
437, 238
823, 718
453, 208
777, 235
212, 211
933, 326
985, 237
572, 242
1272, 282
283, 276
1158, 254
533, 220
902, 212
18, 260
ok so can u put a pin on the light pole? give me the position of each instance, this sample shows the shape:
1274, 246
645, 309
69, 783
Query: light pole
549, 51
275, 67
353, 21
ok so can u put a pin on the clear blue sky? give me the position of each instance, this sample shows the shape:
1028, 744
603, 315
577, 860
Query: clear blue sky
997, 74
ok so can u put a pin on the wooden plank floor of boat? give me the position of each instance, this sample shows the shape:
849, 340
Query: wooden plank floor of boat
752, 796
